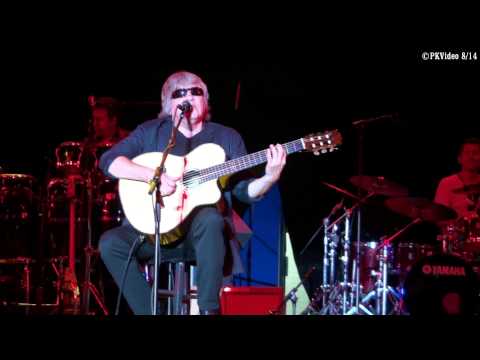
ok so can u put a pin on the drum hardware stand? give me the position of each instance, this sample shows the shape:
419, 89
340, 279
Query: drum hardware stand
325, 287
329, 292
355, 285
382, 288
59, 271
325, 282
87, 285
342, 289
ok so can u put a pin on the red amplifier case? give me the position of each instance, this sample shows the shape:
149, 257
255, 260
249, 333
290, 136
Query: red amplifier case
251, 300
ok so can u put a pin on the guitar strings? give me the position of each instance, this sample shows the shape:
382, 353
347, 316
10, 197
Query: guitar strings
208, 174
213, 172
257, 157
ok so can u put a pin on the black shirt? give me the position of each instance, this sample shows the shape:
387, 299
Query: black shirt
153, 136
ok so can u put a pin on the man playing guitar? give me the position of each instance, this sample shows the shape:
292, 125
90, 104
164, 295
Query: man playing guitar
201, 220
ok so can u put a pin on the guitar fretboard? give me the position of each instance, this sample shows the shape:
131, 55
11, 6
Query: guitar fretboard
236, 165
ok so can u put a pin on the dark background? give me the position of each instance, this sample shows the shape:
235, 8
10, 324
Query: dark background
286, 93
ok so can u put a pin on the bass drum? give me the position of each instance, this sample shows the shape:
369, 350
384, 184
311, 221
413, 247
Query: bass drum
441, 285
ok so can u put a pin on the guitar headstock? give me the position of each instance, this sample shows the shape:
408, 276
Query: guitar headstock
324, 142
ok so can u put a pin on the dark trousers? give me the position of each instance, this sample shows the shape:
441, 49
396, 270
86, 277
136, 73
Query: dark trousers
205, 234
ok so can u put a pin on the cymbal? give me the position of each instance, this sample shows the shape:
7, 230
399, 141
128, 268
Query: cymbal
379, 185
340, 190
17, 177
468, 189
421, 208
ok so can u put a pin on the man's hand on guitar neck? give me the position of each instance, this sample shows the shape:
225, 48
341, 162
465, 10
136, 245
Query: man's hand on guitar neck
276, 159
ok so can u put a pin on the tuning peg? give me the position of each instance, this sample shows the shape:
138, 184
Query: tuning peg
316, 153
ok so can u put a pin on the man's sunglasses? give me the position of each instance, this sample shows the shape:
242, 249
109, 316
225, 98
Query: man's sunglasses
195, 91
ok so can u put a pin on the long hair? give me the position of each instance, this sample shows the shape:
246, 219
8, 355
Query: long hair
178, 80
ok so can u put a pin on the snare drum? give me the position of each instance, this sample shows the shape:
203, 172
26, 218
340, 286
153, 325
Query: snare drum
370, 262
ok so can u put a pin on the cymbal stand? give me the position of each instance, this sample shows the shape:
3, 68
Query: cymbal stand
337, 295
329, 292
325, 282
345, 260
355, 294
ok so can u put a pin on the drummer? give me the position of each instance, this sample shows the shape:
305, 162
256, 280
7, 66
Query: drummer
105, 131
460, 191
105, 121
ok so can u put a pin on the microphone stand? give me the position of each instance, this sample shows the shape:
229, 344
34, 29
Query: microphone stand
360, 149
154, 186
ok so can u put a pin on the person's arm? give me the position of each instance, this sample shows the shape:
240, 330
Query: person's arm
116, 162
442, 195
251, 190
124, 168
121, 153
276, 159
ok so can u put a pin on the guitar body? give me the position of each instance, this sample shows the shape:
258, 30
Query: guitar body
199, 173
138, 205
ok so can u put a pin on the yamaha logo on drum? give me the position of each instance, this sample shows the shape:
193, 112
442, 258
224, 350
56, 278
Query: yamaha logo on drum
444, 270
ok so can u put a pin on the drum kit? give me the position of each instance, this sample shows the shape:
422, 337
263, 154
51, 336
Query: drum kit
48, 231
394, 277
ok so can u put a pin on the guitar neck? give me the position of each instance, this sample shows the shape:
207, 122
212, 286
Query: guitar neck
245, 162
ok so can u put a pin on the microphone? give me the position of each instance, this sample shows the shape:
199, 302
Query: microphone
185, 106
362, 122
